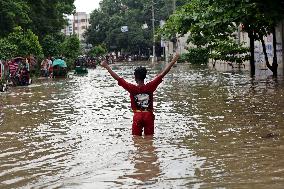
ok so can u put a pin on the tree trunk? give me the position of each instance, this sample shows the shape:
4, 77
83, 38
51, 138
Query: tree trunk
265, 53
274, 65
251, 42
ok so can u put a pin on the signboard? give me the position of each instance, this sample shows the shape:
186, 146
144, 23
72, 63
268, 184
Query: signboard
124, 29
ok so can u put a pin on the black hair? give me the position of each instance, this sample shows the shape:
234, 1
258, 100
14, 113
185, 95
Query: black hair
140, 73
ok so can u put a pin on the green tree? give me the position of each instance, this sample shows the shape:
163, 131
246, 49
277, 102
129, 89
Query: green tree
7, 50
259, 18
42, 17
96, 33
216, 22
213, 38
13, 13
97, 51
52, 44
26, 41
268, 14
71, 49
48, 16
107, 21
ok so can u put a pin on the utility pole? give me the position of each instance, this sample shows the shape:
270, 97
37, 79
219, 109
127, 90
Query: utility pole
174, 9
167, 52
153, 27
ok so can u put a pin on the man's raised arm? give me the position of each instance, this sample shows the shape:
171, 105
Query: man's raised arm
112, 73
169, 65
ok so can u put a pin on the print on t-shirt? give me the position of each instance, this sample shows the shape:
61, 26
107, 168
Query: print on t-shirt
142, 100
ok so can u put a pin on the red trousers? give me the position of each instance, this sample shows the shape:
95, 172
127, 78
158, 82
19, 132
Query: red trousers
143, 120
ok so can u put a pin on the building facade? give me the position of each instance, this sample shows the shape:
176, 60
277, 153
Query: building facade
68, 30
80, 24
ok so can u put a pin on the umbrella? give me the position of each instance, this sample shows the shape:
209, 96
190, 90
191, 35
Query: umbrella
59, 62
19, 58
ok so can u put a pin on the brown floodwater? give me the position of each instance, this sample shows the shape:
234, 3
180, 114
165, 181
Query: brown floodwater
212, 130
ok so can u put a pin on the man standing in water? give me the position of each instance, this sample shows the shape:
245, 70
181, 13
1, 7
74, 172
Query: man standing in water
141, 96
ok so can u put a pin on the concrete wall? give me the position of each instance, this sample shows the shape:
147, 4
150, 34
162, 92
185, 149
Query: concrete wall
180, 46
259, 55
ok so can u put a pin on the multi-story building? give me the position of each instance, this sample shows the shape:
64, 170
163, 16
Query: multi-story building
68, 30
80, 24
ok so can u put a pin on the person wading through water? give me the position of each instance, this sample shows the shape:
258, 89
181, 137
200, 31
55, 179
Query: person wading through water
141, 96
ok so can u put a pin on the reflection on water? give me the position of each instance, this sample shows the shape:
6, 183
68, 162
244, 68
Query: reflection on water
145, 160
213, 130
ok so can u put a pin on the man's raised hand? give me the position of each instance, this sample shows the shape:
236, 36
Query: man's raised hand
104, 63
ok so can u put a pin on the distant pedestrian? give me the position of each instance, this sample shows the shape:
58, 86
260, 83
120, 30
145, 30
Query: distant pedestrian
44, 67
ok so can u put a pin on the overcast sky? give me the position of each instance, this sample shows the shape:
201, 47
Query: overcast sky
86, 5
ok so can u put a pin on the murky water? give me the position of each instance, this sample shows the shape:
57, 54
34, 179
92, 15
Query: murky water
213, 130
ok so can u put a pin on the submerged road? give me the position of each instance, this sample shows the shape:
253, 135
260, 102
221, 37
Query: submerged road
213, 129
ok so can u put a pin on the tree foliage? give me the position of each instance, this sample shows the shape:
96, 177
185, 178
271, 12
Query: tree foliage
97, 51
32, 27
207, 30
52, 44
13, 13
7, 50
42, 17
71, 49
47, 16
26, 41
213, 24
107, 21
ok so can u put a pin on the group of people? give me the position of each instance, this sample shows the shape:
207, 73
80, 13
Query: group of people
92, 62
18, 71
46, 67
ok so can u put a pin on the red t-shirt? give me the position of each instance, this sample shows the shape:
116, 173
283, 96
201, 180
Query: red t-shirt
141, 96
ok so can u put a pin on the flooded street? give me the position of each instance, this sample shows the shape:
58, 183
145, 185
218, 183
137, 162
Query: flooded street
212, 130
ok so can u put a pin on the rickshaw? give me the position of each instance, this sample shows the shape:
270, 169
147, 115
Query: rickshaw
81, 66
19, 72
59, 68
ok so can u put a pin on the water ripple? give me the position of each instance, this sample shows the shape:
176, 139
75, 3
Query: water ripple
212, 130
